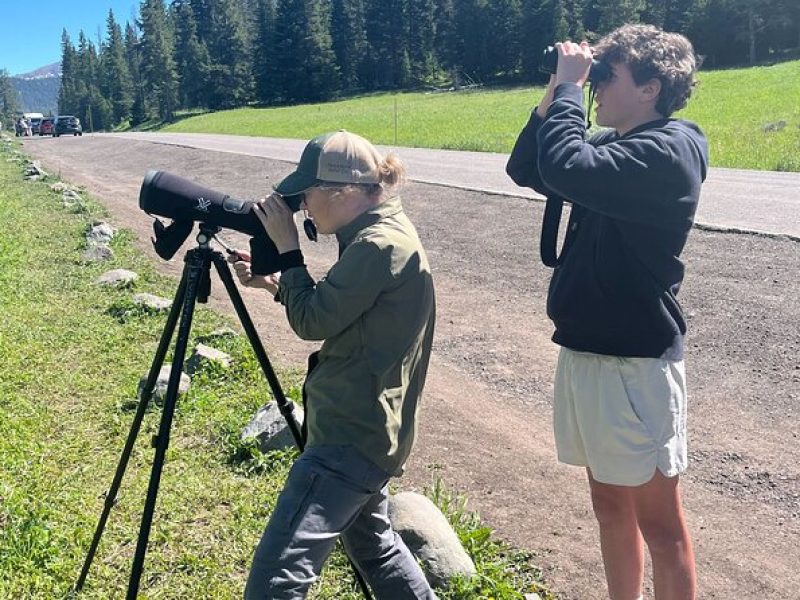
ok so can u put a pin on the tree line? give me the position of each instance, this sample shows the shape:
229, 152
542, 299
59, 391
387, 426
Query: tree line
218, 54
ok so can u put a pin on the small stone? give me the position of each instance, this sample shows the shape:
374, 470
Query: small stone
270, 428
117, 277
162, 382
203, 353
100, 233
152, 302
98, 253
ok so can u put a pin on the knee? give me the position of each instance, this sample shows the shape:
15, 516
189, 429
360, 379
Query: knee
663, 536
611, 509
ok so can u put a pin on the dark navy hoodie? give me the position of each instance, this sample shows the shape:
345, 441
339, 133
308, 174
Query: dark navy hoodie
633, 201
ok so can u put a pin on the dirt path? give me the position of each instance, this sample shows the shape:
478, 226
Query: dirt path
486, 415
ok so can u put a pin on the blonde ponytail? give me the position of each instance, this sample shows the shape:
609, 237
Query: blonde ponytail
393, 171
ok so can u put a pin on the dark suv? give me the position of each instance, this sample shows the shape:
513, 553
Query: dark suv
66, 124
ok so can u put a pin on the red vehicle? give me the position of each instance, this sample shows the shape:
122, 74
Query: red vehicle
47, 126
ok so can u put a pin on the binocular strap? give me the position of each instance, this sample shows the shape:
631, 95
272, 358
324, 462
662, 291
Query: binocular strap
549, 239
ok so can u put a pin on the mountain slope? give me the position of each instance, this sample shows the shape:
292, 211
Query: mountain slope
38, 89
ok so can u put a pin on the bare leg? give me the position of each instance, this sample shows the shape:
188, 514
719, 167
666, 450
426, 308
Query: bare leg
661, 521
620, 540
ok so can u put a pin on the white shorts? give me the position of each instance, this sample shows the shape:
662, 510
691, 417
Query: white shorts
621, 417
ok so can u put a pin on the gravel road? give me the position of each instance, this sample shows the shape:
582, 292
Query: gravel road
486, 415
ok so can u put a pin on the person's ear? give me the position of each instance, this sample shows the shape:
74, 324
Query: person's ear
651, 89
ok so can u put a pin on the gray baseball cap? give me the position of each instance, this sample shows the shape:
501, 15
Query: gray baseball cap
336, 157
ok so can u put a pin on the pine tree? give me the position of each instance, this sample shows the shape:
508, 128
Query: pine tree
94, 109
115, 79
544, 22
306, 60
134, 60
191, 58
504, 51
67, 92
614, 13
349, 39
264, 60
473, 38
445, 40
678, 15
421, 45
387, 34
160, 81
9, 101
230, 67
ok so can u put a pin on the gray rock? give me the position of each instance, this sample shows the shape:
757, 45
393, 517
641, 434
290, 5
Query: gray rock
429, 536
70, 195
117, 277
152, 302
98, 253
777, 126
203, 353
269, 427
100, 233
162, 382
34, 169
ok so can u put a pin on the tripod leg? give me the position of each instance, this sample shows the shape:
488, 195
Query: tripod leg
286, 407
197, 265
158, 360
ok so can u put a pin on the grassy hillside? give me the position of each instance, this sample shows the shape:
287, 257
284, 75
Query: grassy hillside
733, 107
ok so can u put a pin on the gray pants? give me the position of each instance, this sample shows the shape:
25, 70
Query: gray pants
333, 491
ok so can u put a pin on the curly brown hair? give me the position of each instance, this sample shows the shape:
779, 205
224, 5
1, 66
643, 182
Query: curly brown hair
653, 53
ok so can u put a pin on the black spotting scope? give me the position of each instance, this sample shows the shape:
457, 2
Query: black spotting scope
185, 202
598, 72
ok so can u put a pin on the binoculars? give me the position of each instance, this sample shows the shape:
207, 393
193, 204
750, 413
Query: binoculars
598, 72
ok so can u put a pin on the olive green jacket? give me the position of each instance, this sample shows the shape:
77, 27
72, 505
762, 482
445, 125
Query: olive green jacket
375, 311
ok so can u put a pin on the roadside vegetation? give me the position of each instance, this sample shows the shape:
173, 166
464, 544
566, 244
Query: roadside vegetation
73, 353
751, 117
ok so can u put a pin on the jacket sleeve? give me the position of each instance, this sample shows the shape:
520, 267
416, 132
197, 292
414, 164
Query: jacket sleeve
317, 311
636, 178
522, 163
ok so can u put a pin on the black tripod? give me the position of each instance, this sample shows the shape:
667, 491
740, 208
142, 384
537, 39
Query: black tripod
195, 286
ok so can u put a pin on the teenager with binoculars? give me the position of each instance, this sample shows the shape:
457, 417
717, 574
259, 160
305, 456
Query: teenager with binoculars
374, 312
620, 392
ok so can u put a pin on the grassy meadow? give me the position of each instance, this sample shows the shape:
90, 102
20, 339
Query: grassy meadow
732, 106
72, 355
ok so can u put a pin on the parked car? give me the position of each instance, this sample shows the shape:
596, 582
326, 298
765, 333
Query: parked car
66, 124
47, 125
35, 123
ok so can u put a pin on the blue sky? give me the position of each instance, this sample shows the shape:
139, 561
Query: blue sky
38, 43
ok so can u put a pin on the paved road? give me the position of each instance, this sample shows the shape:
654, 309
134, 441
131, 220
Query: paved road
759, 201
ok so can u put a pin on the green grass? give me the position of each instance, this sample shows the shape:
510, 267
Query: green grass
73, 354
732, 106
